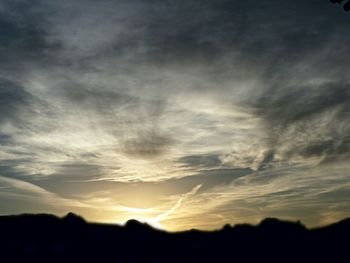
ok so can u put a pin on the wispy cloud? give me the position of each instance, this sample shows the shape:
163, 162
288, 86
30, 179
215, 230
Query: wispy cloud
178, 204
174, 95
22, 190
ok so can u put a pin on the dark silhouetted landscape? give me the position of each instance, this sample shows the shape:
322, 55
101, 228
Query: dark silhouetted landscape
47, 238
195, 116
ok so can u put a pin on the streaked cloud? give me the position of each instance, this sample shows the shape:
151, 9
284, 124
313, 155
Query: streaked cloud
248, 100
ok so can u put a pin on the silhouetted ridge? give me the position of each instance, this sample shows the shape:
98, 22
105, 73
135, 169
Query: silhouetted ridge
273, 223
47, 238
73, 218
132, 223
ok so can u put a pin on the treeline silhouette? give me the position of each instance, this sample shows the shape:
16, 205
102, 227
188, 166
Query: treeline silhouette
47, 238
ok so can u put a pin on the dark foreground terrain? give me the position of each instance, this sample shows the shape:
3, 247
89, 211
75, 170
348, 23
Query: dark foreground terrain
46, 238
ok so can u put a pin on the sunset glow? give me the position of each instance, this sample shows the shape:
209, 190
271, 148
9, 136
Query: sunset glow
181, 114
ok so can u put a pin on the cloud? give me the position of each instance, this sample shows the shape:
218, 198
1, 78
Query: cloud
14, 100
309, 121
178, 204
132, 87
147, 144
19, 189
172, 94
201, 161
291, 193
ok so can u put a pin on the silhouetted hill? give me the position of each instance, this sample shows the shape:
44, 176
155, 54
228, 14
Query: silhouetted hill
47, 238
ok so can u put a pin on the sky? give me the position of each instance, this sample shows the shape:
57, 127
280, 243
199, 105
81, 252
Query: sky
182, 114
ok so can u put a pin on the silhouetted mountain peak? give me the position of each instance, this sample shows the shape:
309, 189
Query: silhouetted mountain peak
227, 227
73, 218
135, 224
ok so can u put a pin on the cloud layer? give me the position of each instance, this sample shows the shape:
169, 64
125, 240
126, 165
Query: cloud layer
98, 99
